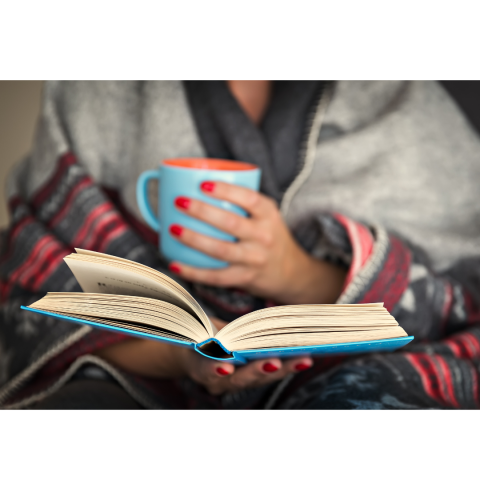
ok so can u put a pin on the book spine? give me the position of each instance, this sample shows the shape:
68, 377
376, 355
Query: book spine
213, 349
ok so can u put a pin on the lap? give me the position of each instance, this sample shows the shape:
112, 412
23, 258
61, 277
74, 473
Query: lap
388, 381
407, 380
88, 394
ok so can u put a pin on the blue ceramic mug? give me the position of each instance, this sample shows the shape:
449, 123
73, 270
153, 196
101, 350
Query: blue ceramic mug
182, 177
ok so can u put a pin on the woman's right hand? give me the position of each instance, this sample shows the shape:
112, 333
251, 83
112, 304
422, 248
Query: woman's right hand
220, 377
163, 360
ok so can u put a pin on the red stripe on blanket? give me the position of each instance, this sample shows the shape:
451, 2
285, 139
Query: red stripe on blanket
424, 372
392, 280
471, 308
143, 230
467, 344
436, 377
98, 223
362, 245
460, 346
58, 217
101, 227
13, 234
475, 342
448, 391
475, 376
5, 288
64, 163
51, 261
117, 230
31, 265
111, 227
19, 227
454, 347
471, 345
447, 304
83, 238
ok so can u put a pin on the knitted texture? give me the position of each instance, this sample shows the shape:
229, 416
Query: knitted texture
393, 196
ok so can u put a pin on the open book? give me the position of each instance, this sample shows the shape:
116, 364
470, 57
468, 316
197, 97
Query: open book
128, 297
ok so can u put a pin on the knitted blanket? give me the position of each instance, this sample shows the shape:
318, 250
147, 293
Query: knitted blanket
39, 354
397, 153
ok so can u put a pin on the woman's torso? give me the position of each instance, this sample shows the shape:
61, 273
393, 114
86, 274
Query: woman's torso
399, 154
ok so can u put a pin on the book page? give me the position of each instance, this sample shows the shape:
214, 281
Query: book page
127, 311
95, 278
301, 325
103, 278
313, 338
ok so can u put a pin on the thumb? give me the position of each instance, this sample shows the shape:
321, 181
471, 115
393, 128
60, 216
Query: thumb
220, 369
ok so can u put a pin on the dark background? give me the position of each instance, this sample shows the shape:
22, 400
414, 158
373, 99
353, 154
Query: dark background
467, 95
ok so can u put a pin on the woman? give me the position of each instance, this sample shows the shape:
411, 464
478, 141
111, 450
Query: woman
345, 164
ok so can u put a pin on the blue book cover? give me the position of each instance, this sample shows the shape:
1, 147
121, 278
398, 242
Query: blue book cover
212, 348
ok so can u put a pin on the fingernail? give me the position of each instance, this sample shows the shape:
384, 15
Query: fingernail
208, 186
176, 230
302, 366
174, 268
269, 367
222, 371
182, 202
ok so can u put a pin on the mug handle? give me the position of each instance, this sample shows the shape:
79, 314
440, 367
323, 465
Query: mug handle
142, 200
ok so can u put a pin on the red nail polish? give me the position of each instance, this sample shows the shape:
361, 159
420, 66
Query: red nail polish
270, 368
174, 268
176, 230
208, 186
182, 202
222, 371
302, 366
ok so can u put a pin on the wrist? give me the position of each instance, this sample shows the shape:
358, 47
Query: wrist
313, 281
182, 357
148, 358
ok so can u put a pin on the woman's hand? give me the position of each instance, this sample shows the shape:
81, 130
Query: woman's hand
162, 360
220, 377
265, 261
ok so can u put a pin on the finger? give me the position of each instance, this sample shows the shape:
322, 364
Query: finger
297, 364
207, 368
232, 276
216, 377
253, 202
232, 252
212, 375
263, 372
228, 222
256, 373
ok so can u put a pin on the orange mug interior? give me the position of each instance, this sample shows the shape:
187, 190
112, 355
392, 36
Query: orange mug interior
209, 164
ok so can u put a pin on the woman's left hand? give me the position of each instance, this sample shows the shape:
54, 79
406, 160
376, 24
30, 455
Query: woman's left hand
266, 261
